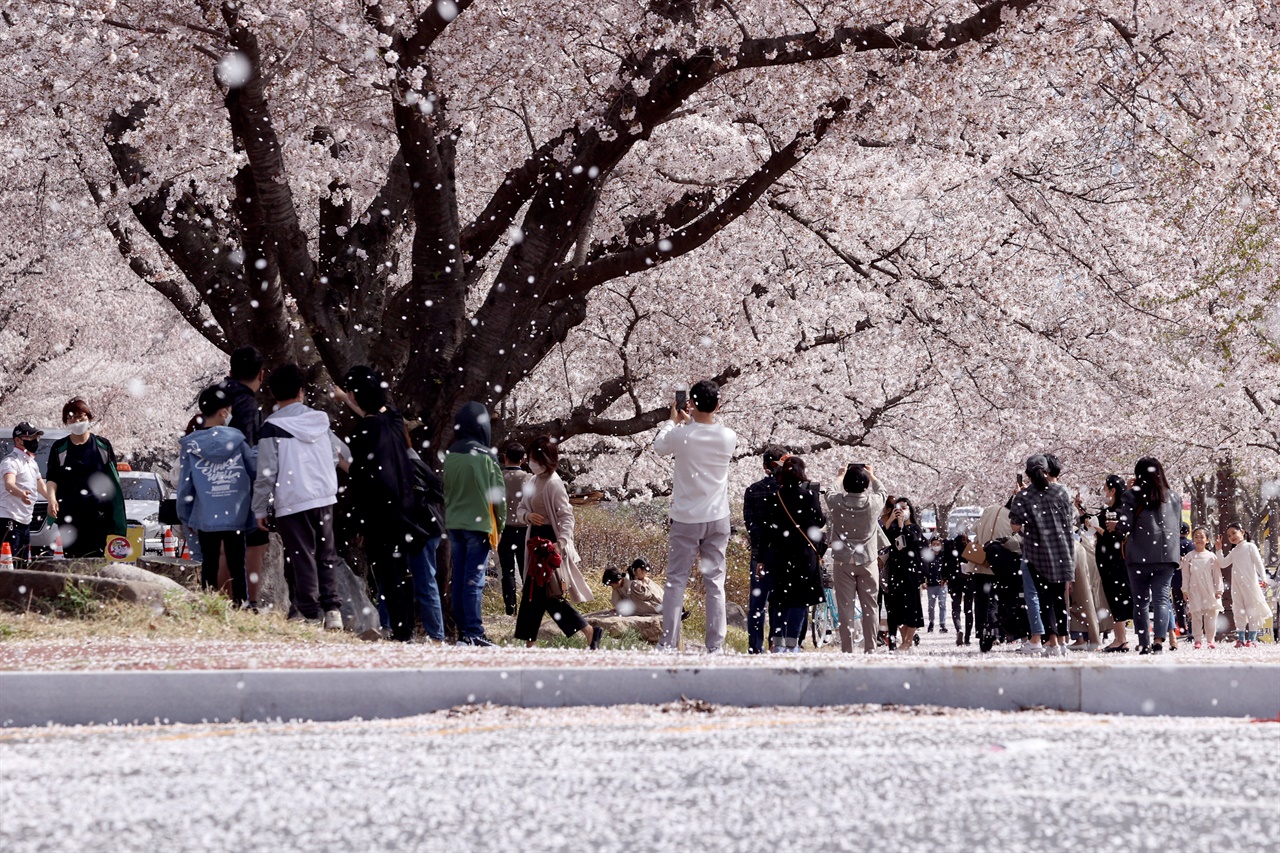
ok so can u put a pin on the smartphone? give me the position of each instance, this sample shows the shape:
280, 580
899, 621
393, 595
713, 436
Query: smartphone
1019, 481
682, 400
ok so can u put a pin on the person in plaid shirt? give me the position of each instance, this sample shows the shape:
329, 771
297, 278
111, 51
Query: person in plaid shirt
1042, 513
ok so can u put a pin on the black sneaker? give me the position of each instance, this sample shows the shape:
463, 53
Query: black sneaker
477, 641
1156, 648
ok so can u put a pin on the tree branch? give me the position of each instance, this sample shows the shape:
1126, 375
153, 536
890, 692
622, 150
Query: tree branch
584, 278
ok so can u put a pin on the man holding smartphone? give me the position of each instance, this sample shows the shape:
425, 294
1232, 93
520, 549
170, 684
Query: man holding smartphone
703, 451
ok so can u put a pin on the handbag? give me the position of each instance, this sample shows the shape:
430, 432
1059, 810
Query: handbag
544, 569
974, 553
821, 547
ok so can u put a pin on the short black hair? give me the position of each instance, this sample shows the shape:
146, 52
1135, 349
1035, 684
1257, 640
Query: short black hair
705, 394
513, 452
856, 479
213, 399
286, 382
773, 453
1184, 529
246, 364
1053, 466
366, 385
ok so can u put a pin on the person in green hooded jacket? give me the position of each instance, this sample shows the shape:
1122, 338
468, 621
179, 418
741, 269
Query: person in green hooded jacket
84, 485
475, 509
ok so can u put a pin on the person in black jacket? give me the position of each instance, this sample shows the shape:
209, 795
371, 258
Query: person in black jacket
792, 546
759, 506
381, 487
904, 573
241, 387
1110, 561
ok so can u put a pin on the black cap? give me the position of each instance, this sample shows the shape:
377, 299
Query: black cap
639, 563
26, 430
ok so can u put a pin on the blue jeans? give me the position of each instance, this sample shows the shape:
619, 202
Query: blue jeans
1031, 597
422, 565
938, 602
758, 609
469, 550
1151, 591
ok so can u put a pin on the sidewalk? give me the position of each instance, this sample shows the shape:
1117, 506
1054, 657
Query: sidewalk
75, 698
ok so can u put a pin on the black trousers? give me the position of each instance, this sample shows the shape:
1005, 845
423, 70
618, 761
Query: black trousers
985, 611
1053, 604
534, 604
961, 591
1010, 606
18, 535
213, 542
511, 559
390, 564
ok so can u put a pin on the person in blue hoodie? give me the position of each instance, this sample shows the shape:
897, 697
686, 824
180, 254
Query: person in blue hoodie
216, 467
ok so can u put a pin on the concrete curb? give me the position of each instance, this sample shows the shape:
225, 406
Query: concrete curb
80, 698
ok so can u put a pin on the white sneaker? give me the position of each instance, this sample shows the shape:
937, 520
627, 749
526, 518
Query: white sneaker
1034, 650
333, 620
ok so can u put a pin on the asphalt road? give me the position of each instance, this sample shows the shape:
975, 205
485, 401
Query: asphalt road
628, 778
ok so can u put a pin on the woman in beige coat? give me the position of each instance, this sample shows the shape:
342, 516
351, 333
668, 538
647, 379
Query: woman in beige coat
545, 508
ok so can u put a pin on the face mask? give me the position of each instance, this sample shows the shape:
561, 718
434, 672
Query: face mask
79, 427
29, 444
537, 467
227, 422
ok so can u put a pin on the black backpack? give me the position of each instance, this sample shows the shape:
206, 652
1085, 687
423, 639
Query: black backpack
427, 519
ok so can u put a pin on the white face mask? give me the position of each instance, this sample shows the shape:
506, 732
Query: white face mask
537, 467
79, 427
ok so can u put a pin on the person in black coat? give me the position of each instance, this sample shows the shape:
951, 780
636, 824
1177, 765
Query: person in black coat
1110, 560
381, 488
904, 573
793, 550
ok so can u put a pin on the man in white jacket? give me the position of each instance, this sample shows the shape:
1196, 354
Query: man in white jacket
703, 450
297, 457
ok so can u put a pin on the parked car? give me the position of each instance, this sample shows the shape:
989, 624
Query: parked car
143, 492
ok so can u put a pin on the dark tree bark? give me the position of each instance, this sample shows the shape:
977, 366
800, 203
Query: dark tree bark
247, 273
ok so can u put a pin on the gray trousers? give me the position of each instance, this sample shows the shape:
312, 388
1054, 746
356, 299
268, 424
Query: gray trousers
860, 583
705, 544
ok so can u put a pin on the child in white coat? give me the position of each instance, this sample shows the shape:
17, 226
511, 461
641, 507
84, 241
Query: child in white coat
1248, 580
1202, 588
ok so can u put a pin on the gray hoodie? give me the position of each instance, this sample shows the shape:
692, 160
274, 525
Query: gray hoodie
297, 457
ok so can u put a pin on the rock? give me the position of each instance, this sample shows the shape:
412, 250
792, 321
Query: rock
20, 586
648, 627
125, 572
736, 615
183, 572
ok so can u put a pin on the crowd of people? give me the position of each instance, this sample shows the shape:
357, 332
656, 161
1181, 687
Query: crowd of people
1040, 571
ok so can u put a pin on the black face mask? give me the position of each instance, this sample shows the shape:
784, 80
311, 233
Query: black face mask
29, 444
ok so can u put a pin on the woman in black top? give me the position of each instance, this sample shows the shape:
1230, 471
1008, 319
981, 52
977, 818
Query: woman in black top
794, 540
904, 573
1110, 559
381, 493
84, 485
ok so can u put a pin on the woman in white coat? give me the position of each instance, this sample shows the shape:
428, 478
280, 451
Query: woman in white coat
545, 508
1249, 606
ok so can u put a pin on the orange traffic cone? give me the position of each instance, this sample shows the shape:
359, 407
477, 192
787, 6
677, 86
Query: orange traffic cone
170, 543
57, 547
6, 557
186, 551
